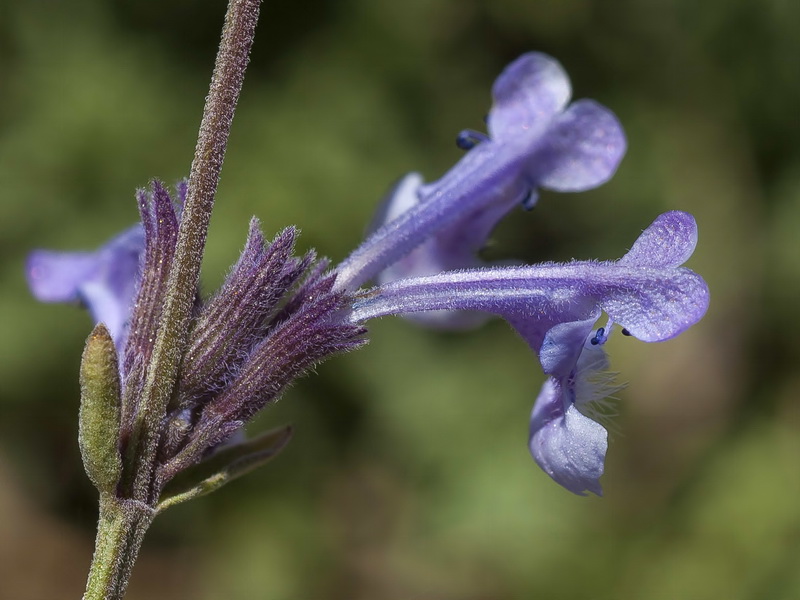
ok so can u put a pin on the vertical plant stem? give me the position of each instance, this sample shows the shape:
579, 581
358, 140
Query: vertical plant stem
120, 530
162, 373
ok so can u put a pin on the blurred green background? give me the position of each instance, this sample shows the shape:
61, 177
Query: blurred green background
409, 475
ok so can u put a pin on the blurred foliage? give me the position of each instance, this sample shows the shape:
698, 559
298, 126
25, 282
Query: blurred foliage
409, 476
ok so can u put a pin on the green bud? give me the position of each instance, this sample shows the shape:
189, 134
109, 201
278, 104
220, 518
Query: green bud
98, 431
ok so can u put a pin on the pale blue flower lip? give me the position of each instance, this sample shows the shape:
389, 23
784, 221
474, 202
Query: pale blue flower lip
567, 444
105, 281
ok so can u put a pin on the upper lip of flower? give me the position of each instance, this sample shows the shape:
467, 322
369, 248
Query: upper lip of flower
535, 141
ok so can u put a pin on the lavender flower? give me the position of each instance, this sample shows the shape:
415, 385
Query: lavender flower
554, 307
103, 281
535, 141
276, 315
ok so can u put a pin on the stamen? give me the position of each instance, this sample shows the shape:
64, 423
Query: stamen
529, 201
599, 338
469, 138
626, 332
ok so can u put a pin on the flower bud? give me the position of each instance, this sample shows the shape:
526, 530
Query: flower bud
98, 433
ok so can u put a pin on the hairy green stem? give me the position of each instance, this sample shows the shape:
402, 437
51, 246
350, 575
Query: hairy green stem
120, 530
162, 372
126, 513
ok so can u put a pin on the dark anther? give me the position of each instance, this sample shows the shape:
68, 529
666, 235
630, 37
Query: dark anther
598, 337
529, 201
626, 332
468, 139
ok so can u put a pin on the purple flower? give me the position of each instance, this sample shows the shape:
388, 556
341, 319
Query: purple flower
103, 281
554, 307
565, 440
535, 140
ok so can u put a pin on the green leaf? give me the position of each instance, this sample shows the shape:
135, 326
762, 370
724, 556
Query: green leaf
227, 464
98, 424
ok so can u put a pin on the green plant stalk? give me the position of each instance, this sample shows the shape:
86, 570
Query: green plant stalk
162, 372
126, 513
120, 531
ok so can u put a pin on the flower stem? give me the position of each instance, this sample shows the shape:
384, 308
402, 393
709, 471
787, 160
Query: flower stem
120, 530
162, 372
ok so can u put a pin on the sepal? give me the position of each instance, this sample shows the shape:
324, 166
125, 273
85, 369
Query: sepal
99, 419
224, 465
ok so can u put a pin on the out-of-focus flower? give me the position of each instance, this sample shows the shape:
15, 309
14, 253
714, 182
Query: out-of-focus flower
103, 281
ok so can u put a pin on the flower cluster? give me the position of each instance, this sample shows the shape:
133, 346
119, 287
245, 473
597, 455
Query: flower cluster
277, 315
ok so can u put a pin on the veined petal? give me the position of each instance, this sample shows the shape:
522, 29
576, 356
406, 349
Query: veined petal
668, 242
568, 446
527, 93
563, 344
582, 149
105, 280
453, 247
565, 441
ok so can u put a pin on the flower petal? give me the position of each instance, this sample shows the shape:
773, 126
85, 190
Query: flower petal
563, 345
56, 276
526, 95
581, 149
487, 178
568, 446
668, 242
442, 225
653, 304
453, 247
104, 280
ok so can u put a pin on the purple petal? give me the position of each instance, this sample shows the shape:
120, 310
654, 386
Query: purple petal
57, 276
653, 304
581, 149
402, 196
563, 344
442, 225
568, 446
668, 242
530, 91
454, 247
104, 280
485, 176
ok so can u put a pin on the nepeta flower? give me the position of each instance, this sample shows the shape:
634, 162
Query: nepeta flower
565, 439
276, 315
103, 281
554, 307
534, 141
